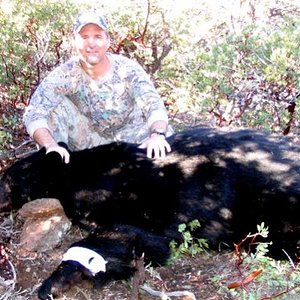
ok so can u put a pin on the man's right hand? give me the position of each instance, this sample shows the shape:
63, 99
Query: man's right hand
45, 139
65, 155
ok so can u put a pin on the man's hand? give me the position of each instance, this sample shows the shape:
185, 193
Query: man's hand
45, 139
157, 146
65, 155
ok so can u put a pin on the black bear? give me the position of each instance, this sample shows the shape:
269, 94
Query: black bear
229, 181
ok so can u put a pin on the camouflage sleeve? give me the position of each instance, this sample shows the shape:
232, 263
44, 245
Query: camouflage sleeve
46, 97
147, 97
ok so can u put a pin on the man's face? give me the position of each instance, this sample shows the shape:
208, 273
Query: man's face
92, 42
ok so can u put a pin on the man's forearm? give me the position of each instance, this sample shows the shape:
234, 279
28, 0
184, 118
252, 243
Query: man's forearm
44, 138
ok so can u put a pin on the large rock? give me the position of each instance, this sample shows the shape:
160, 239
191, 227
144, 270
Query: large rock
45, 225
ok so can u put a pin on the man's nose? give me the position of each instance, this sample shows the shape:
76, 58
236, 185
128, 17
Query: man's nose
91, 41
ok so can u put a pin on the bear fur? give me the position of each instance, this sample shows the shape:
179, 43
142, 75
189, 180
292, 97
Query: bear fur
229, 181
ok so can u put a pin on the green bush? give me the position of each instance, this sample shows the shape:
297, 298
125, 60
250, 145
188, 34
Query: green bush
190, 245
251, 78
34, 38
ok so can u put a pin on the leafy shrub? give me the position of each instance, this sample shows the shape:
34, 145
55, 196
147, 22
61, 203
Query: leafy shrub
189, 245
35, 38
256, 276
251, 79
33, 34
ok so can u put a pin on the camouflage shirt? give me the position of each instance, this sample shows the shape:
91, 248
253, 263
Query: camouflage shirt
124, 101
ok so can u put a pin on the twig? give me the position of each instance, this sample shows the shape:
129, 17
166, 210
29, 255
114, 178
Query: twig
138, 278
25, 143
22, 155
14, 274
289, 258
281, 293
12, 283
245, 281
86, 297
167, 295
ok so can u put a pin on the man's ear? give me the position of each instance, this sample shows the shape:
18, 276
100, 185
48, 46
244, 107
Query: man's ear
76, 40
75, 44
108, 41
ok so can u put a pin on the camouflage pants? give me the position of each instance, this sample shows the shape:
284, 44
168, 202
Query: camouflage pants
71, 126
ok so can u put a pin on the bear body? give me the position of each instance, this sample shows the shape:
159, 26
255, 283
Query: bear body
229, 181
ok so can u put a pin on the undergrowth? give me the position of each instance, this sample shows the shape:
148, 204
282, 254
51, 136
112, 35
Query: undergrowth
249, 273
190, 245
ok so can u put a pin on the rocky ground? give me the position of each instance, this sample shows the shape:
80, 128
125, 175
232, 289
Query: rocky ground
188, 277
206, 276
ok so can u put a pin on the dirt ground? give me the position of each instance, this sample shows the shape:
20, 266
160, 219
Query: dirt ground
206, 276
23, 273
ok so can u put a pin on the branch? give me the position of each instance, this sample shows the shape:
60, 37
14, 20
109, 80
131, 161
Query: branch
138, 277
9, 283
246, 280
166, 295
143, 34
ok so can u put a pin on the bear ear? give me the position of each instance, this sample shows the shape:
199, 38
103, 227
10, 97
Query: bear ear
64, 145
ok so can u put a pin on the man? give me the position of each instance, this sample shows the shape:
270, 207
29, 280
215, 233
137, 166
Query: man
97, 97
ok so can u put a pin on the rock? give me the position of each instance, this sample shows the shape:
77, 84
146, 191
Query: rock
45, 225
40, 207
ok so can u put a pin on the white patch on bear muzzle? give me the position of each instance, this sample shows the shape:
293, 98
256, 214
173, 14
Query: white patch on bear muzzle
90, 259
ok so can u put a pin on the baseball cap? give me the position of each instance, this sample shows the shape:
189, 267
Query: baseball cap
89, 18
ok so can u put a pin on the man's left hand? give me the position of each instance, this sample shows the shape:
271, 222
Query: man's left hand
157, 146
